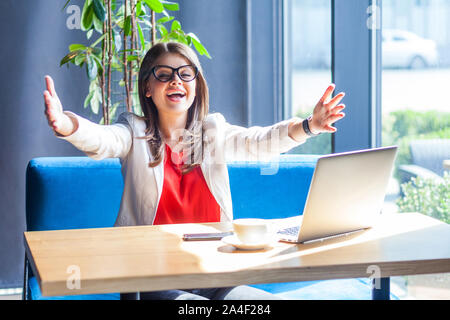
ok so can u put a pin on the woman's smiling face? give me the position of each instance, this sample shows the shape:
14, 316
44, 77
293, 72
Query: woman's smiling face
175, 95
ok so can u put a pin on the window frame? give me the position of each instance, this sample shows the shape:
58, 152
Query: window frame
353, 42
361, 129
265, 62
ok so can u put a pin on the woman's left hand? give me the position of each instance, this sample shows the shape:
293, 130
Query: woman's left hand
327, 111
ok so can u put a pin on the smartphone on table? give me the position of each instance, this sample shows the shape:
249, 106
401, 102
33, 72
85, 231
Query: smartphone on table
206, 236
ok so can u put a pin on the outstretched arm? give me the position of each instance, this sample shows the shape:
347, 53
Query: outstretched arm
97, 141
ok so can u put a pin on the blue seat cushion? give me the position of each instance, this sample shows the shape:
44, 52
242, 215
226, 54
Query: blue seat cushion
35, 293
341, 289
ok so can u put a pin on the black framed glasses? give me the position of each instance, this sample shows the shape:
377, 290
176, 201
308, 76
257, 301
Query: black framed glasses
165, 73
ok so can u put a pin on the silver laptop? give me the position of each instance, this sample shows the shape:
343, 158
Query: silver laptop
346, 194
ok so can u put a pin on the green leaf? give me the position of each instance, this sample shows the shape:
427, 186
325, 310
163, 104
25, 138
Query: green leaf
96, 51
89, 33
182, 38
141, 35
171, 6
116, 66
93, 85
88, 99
95, 104
132, 58
99, 10
117, 40
70, 56
127, 26
164, 19
139, 9
96, 98
76, 46
155, 5
91, 68
87, 16
162, 30
176, 25
173, 36
79, 60
98, 25
198, 45
97, 58
112, 111
166, 14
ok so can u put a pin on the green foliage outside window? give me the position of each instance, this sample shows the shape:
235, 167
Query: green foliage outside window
427, 196
401, 127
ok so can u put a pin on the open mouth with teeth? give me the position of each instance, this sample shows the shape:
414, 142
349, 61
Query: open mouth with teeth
176, 96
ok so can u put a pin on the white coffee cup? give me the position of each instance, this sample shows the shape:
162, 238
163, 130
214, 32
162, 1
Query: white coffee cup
251, 230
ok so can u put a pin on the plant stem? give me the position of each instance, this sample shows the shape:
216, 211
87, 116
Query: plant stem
109, 61
132, 47
125, 62
153, 27
102, 80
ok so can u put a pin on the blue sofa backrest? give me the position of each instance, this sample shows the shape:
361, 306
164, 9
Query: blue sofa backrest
276, 190
78, 192
72, 193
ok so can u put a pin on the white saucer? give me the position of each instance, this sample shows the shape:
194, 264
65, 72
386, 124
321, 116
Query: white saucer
235, 242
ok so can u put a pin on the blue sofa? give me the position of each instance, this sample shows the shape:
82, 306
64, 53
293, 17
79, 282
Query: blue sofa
78, 192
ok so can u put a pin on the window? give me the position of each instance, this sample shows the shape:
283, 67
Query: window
416, 117
415, 112
308, 62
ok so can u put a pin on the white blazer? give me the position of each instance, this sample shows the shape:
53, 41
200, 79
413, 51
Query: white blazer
143, 185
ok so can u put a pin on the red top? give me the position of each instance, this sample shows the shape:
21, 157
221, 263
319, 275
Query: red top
185, 198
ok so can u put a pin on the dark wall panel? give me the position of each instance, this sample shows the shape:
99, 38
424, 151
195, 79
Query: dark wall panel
221, 26
34, 39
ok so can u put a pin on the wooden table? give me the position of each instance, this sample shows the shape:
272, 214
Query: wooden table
146, 258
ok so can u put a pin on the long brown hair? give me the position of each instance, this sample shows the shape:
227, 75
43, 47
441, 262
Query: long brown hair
192, 142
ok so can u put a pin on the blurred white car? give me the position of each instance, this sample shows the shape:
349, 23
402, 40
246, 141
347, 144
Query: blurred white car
404, 49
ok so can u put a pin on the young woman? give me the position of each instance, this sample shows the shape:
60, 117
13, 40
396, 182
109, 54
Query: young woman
174, 158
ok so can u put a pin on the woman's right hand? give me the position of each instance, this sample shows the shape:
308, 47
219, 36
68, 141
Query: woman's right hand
60, 122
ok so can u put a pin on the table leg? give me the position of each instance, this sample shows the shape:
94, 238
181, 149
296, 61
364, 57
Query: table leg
130, 296
25, 279
381, 289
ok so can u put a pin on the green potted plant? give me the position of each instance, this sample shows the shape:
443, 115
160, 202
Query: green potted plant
125, 31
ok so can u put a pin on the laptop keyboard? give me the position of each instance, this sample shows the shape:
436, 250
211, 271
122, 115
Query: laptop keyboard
291, 231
